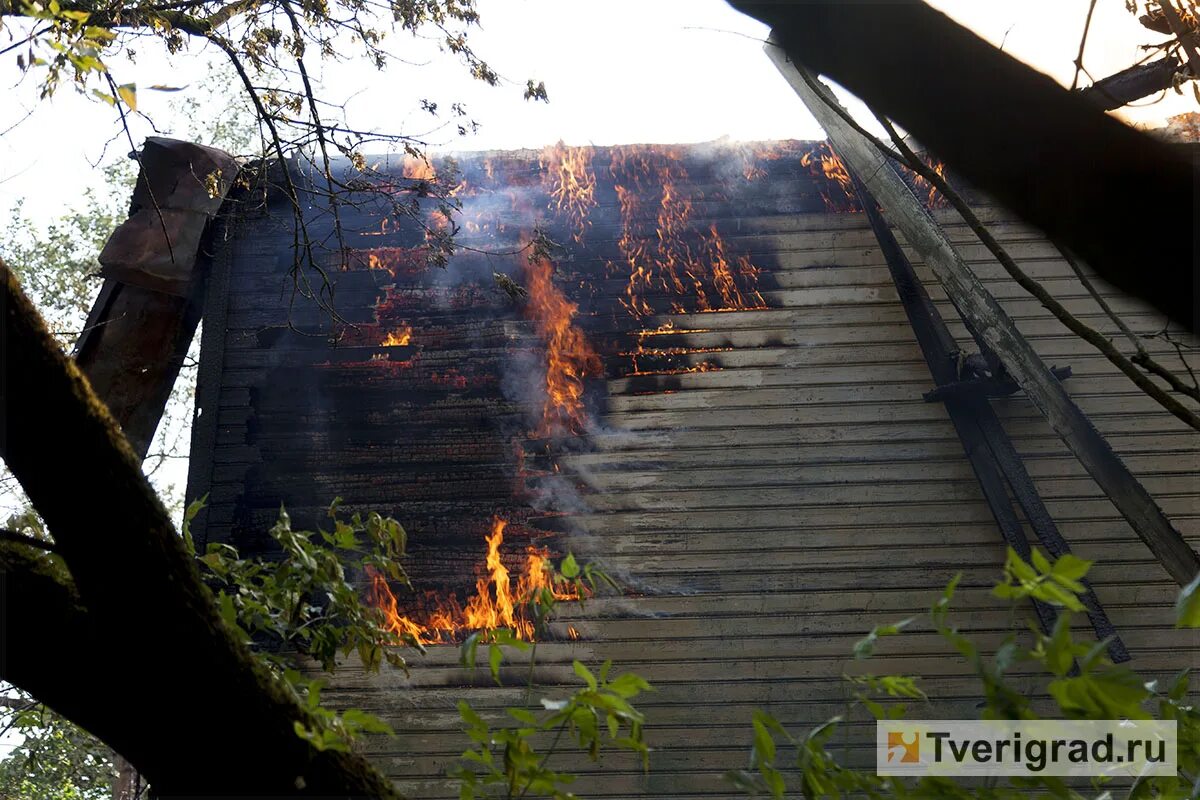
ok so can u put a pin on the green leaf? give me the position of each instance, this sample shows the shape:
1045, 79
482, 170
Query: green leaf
495, 658
1187, 607
942, 606
1056, 595
865, 647
628, 685
1179, 686
469, 716
1071, 566
1006, 591
1017, 567
226, 607
764, 743
523, 715
585, 674
467, 652
1059, 655
1115, 694
569, 567
368, 723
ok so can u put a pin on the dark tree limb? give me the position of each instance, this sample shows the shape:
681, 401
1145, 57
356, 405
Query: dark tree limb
1140, 80
16, 537
1140, 357
1185, 35
992, 325
39, 647
1087, 26
1049, 155
202, 717
1073, 323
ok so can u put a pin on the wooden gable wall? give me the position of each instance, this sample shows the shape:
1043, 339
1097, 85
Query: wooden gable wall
764, 514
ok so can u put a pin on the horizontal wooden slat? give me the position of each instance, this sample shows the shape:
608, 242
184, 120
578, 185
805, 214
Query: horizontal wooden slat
762, 516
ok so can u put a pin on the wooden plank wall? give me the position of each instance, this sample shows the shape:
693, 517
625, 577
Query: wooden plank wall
768, 513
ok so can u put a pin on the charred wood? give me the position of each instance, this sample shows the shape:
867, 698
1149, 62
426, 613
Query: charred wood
996, 329
1133, 84
1050, 156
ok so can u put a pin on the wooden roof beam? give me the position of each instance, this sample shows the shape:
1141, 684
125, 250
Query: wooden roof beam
992, 325
1117, 197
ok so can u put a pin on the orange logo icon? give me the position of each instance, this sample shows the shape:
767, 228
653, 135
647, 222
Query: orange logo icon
903, 748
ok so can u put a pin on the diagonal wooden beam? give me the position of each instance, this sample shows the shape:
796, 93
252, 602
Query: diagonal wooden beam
1042, 151
991, 453
993, 326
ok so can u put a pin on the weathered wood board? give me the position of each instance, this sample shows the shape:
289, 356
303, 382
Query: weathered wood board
764, 515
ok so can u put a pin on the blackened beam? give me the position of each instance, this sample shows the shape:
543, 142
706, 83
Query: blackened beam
988, 387
140, 327
992, 325
1134, 83
1049, 155
991, 453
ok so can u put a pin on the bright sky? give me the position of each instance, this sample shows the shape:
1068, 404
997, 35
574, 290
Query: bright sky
620, 71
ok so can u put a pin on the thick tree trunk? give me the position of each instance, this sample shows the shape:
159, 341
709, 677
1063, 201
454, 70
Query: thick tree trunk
195, 714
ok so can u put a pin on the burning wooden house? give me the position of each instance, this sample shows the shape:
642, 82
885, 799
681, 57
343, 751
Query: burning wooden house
706, 369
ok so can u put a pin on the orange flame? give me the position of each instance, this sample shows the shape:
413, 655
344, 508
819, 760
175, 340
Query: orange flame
567, 171
398, 260
569, 356
497, 603
933, 198
399, 337
722, 275
418, 169
660, 254
838, 190
754, 154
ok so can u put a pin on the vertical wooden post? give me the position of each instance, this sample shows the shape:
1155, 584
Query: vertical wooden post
994, 327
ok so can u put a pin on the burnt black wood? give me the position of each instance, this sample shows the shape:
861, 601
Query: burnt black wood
1049, 155
990, 451
1140, 80
985, 387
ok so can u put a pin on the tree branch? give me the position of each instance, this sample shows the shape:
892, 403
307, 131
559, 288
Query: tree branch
1185, 35
25, 540
1088, 334
132, 573
1087, 25
1141, 357
1048, 154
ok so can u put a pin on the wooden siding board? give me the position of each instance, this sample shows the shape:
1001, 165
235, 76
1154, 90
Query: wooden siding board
811, 443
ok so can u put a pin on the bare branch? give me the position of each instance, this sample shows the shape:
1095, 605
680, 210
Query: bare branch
1087, 24
1088, 334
